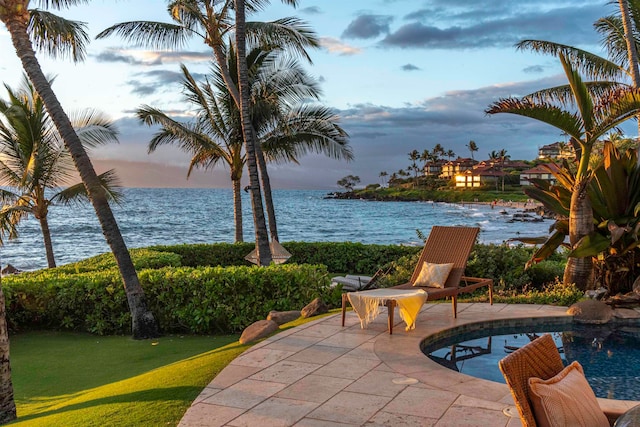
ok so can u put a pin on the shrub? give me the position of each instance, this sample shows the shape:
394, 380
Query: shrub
142, 258
184, 299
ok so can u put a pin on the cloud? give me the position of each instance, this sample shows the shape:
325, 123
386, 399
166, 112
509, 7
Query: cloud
533, 69
156, 81
334, 45
409, 67
500, 24
311, 10
367, 26
151, 58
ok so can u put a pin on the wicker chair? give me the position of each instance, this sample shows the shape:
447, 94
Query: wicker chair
444, 245
539, 358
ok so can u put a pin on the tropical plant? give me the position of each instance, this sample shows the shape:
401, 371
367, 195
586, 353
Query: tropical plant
286, 126
598, 108
211, 20
7, 403
473, 147
59, 36
383, 176
614, 192
36, 162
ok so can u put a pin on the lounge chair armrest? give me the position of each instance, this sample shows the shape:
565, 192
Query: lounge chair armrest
468, 284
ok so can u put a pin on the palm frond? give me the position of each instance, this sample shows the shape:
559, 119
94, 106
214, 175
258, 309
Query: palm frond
290, 33
77, 193
94, 128
149, 34
57, 36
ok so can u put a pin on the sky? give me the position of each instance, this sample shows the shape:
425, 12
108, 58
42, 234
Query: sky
401, 75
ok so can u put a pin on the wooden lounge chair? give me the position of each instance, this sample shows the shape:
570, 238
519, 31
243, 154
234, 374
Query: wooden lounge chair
538, 359
444, 245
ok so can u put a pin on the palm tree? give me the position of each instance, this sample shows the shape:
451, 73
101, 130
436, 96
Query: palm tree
450, 154
598, 108
211, 20
285, 129
59, 36
7, 403
503, 156
383, 175
472, 146
36, 162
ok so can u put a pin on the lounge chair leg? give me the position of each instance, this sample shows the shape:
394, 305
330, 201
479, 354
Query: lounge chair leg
344, 307
454, 304
390, 307
491, 294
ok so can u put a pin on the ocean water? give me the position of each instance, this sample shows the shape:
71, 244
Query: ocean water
173, 216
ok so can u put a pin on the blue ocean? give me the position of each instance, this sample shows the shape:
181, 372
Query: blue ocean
172, 216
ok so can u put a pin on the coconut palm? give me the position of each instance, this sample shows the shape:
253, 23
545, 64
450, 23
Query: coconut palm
597, 109
473, 147
35, 162
7, 403
286, 129
58, 36
383, 175
211, 20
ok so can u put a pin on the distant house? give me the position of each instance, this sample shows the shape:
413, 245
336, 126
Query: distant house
478, 177
434, 168
555, 151
455, 167
542, 171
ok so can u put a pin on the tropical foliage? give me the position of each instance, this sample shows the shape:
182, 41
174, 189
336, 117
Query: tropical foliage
36, 165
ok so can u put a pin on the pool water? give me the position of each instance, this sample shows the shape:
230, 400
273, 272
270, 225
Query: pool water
610, 355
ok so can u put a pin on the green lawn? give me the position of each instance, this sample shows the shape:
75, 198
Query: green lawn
67, 379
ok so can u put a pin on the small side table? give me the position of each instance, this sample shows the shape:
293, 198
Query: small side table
631, 418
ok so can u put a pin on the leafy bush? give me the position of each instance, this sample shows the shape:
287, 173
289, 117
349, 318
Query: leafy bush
142, 258
183, 299
555, 293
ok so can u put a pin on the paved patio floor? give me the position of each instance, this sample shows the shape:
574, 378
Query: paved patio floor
323, 374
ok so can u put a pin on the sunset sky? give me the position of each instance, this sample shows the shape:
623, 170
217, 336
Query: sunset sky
400, 74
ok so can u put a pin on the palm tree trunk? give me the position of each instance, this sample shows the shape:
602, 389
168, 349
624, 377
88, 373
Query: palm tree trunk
580, 270
262, 237
48, 245
632, 52
143, 323
268, 197
237, 209
7, 403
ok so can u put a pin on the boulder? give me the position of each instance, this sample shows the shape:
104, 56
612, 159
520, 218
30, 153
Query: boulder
626, 313
591, 311
10, 269
314, 308
258, 330
282, 317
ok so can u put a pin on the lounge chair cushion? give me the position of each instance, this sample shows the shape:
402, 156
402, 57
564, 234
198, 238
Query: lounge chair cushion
566, 400
433, 275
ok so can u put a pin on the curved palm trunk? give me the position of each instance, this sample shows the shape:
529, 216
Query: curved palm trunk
143, 323
632, 52
262, 237
268, 199
237, 209
48, 245
7, 403
580, 270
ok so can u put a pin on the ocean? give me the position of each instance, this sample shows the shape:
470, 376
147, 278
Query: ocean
151, 216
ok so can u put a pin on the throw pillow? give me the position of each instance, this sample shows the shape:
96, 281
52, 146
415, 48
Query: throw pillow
566, 400
433, 275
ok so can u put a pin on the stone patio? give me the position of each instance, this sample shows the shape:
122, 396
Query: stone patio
323, 374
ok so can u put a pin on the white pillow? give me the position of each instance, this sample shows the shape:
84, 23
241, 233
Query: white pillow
566, 400
433, 275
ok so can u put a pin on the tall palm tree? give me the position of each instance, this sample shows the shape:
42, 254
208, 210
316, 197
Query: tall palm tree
59, 36
285, 129
211, 20
383, 175
7, 403
503, 156
597, 109
473, 147
35, 162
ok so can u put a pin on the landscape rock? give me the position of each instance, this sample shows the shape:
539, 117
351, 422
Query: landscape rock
591, 311
282, 317
314, 308
10, 269
626, 313
258, 330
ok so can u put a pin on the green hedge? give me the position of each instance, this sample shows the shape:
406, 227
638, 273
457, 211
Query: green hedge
185, 299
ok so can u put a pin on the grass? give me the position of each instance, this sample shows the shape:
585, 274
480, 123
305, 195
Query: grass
71, 379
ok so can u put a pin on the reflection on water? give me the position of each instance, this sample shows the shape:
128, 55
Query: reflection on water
609, 354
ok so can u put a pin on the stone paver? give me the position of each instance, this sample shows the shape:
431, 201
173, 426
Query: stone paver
321, 374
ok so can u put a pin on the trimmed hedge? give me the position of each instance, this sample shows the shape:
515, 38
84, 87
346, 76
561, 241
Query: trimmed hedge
185, 299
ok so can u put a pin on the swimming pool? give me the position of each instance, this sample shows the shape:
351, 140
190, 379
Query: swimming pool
609, 354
